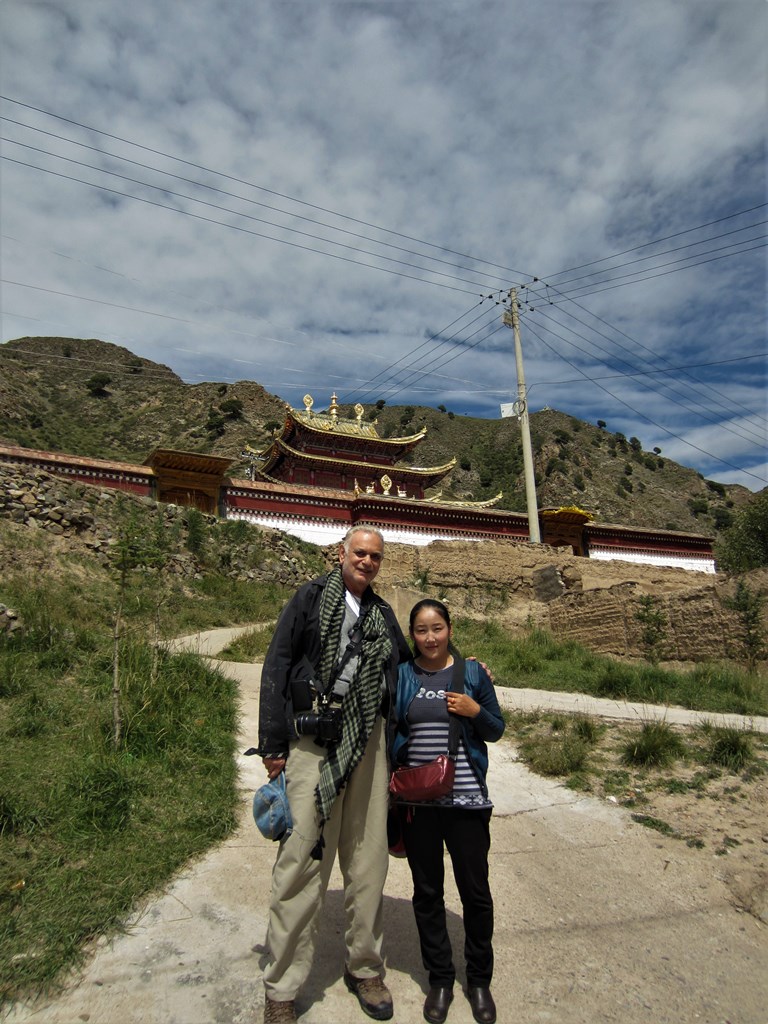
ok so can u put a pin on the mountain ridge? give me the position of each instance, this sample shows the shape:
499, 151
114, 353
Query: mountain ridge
94, 398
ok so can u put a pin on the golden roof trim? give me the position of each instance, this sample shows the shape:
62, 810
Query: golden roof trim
370, 466
328, 425
437, 500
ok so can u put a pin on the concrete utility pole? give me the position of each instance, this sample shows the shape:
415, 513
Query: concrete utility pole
512, 319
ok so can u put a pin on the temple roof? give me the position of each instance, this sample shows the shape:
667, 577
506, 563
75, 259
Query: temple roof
348, 445
279, 449
196, 462
350, 434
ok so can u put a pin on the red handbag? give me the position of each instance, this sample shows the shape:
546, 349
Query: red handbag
424, 781
435, 778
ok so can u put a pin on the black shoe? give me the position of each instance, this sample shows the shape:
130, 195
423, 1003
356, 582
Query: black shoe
483, 1006
436, 1004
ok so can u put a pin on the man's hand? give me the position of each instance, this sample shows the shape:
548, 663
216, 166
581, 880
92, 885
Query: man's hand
274, 766
485, 668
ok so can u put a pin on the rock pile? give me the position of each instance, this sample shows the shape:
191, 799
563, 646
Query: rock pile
91, 517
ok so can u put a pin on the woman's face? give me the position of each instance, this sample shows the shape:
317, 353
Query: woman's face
431, 633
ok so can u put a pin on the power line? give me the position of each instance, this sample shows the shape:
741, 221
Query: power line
261, 188
259, 234
345, 217
638, 344
224, 192
655, 241
644, 416
670, 386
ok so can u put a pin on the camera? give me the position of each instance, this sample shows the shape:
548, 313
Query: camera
325, 725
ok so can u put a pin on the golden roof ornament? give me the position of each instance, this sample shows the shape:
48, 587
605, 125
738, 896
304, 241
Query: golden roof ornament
308, 402
359, 410
334, 409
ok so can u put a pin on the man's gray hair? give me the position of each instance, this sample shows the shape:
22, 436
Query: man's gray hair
360, 528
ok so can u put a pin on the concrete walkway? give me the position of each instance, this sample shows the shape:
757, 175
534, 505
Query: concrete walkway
597, 918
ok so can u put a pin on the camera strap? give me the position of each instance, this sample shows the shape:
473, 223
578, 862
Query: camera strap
356, 638
457, 686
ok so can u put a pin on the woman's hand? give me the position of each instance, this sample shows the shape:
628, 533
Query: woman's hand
462, 704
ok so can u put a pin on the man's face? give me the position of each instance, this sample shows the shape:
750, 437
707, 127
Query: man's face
360, 565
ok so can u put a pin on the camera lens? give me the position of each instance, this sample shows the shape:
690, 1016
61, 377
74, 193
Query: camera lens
306, 723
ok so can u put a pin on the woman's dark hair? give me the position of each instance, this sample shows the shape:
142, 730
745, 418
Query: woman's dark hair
442, 611
429, 602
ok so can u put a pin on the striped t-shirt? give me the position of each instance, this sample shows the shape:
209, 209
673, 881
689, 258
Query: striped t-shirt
428, 721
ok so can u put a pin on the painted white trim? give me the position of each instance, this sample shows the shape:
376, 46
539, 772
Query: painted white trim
697, 564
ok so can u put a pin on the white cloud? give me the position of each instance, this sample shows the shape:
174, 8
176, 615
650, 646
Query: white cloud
535, 135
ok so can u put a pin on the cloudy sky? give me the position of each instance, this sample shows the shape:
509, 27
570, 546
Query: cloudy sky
332, 196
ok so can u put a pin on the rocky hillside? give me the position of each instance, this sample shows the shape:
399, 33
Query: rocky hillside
89, 397
52, 525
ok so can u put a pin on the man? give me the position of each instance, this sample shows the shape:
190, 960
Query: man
327, 694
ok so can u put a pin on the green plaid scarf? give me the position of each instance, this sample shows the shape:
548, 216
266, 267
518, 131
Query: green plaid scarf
363, 698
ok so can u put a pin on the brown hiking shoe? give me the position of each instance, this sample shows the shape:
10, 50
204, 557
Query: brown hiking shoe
373, 995
279, 1012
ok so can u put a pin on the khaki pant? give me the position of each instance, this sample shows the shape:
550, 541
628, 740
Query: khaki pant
357, 828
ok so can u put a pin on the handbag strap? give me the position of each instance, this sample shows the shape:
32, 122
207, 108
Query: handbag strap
454, 726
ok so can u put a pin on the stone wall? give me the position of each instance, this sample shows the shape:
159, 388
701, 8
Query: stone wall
593, 602
515, 583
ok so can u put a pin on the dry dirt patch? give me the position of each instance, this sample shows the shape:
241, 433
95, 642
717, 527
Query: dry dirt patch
720, 812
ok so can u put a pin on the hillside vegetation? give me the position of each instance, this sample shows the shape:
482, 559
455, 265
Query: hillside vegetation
92, 398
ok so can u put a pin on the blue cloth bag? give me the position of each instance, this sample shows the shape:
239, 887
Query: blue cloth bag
271, 810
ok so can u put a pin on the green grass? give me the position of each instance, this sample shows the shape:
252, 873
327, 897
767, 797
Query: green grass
249, 646
655, 744
538, 660
86, 829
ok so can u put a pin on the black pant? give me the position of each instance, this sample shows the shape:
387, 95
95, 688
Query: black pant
467, 836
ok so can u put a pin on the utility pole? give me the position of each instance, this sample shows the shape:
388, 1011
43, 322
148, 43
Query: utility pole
512, 319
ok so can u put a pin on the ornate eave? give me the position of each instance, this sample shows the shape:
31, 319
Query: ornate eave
570, 514
279, 449
188, 462
349, 433
326, 425
437, 499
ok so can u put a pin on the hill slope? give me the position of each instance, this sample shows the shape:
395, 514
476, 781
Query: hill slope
92, 398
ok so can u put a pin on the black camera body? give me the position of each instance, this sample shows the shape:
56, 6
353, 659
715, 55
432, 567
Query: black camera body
325, 724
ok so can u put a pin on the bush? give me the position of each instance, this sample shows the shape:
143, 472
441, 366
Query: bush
655, 745
730, 748
98, 383
745, 544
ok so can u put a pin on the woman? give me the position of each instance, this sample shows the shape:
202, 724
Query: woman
460, 820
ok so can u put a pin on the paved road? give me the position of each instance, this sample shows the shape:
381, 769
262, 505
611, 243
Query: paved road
597, 920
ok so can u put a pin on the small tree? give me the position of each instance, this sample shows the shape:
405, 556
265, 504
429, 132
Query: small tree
745, 545
749, 606
653, 620
232, 408
602, 424
97, 384
195, 531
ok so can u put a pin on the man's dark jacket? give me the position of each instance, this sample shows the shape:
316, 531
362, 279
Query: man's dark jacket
297, 635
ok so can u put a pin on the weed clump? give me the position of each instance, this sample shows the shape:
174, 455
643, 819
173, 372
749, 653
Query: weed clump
655, 745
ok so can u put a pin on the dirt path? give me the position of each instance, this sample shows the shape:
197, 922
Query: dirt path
598, 919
